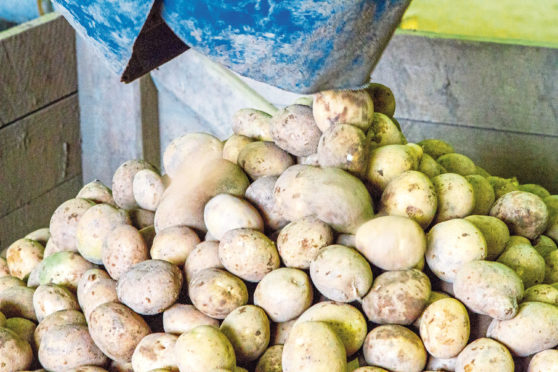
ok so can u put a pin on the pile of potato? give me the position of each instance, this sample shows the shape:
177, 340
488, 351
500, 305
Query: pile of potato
316, 239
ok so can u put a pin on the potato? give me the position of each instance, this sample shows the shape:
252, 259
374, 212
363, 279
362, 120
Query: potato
141, 218
300, 241
348, 240
538, 190
15, 353
294, 130
330, 194
17, 302
395, 348
388, 162
226, 212
33, 280
451, 244
438, 364
116, 366
353, 107
308, 160
444, 328
526, 262
551, 268
411, 194
64, 222
430, 167
456, 197
234, 145
391, 242
56, 320
484, 194
280, 331
542, 293
87, 369
202, 349
545, 361
216, 292
64, 268
122, 182
23, 256
457, 163
155, 351
482, 172
148, 188
117, 330
397, 297
483, 355
533, 329
174, 244
284, 294
524, 213
97, 192
69, 346
544, 245
502, 186
270, 361
41, 235
50, 298
340, 273
260, 194
436, 147
51, 248
204, 256
344, 146
181, 318
370, 369
489, 288
4, 270
313, 346
24, 328
347, 321
260, 159
123, 248
383, 99
494, 231
253, 124
95, 288
383, 131
248, 254
10, 281
434, 296
150, 287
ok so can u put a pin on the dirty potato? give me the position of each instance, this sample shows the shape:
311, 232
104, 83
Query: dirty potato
252, 123
63, 268
436, 147
294, 130
181, 318
204, 256
430, 167
64, 223
155, 351
333, 107
494, 231
387, 162
122, 182
174, 244
457, 163
123, 248
97, 192
383, 131
95, 288
260, 159
270, 361
50, 298
484, 194
382, 96
23, 256
148, 188
17, 301
56, 320
15, 353
484, 354
344, 146
456, 196
234, 145
226, 212
527, 263
260, 194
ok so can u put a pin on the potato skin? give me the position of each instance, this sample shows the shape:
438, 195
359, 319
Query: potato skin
457, 163
117, 330
4, 270
226, 212
270, 361
204, 256
526, 261
332, 107
181, 318
97, 192
154, 351
280, 331
10, 281
494, 231
545, 361
18, 302
484, 194
95, 288
260, 194
388, 162
456, 197
64, 222
430, 167
50, 298
233, 146
382, 96
63, 268
55, 320
122, 182
174, 244
383, 131
23, 256
252, 123
260, 159
484, 354
435, 147
148, 188
294, 130
123, 248
15, 353
542, 293
344, 146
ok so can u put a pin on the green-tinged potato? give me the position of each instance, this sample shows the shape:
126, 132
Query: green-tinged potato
124, 247
456, 196
397, 297
270, 361
64, 268
395, 348
141, 218
347, 321
94, 226
533, 329
189, 147
41, 235
308, 160
457, 163
97, 192
484, 194
451, 244
494, 231
388, 162
260, 194
4, 270
280, 331
181, 318
226, 212
69, 346
542, 293
411, 194
204, 256
155, 351
525, 214
216, 292
434, 296
538, 190
383, 131
50, 298
294, 130
284, 294
148, 188
343, 107
382, 96
502, 186
341, 274
489, 288
24, 328
15, 353
517, 240
484, 355
551, 267
18, 302
150, 287
444, 328
260, 159
10, 281
23, 256
174, 244
117, 330
122, 182
252, 123
203, 349
332, 195
234, 145
344, 146
313, 346
247, 328
436, 147
95, 288
544, 245
527, 263
56, 320
300, 241
545, 361
248, 254
430, 167
64, 223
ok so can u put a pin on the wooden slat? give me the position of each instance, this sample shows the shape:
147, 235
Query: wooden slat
150, 121
39, 152
37, 66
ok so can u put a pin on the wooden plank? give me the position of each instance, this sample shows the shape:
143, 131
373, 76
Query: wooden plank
37, 66
39, 152
150, 121
36, 213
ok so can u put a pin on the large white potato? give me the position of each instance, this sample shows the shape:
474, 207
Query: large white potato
545, 361
226, 212
484, 354
456, 197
